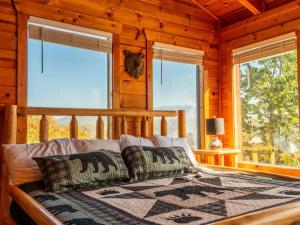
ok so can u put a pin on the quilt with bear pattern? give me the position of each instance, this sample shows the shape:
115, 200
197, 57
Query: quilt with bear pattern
203, 198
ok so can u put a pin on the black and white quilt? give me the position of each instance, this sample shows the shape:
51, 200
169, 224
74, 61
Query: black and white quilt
192, 199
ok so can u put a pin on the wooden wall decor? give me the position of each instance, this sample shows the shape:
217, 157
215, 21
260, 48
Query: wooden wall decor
134, 63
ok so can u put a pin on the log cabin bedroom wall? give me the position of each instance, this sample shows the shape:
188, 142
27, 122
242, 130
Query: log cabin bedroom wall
134, 29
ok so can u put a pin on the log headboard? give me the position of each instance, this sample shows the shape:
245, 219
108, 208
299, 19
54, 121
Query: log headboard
119, 117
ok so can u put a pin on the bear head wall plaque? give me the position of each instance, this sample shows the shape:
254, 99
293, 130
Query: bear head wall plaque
134, 64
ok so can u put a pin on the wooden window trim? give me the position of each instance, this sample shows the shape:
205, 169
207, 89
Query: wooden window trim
202, 83
22, 72
177, 54
264, 49
237, 137
22, 84
291, 172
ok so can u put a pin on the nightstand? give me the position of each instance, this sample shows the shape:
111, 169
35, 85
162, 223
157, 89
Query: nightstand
224, 157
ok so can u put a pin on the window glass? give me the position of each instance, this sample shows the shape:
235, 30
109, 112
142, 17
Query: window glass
67, 77
71, 77
175, 86
269, 110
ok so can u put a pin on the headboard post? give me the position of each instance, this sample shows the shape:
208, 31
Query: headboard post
10, 137
181, 124
10, 121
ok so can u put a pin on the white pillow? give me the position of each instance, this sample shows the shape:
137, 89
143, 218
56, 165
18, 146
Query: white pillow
129, 140
83, 145
162, 141
18, 157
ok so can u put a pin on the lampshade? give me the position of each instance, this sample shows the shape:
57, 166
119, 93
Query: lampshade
215, 126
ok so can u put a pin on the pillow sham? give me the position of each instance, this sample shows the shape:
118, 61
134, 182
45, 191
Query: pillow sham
162, 141
129, 140
68, 172
22, 168
84, 145
148, 162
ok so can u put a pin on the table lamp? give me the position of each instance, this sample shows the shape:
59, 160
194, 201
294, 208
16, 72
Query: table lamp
215, 127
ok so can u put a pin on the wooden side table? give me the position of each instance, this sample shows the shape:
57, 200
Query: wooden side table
224, 157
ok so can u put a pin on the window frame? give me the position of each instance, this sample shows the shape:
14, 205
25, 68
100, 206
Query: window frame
237, 107
199, 100
22, 85
78, 31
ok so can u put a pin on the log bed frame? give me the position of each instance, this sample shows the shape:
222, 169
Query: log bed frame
281, 215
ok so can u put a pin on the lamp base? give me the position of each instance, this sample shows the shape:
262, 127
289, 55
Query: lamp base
215, 144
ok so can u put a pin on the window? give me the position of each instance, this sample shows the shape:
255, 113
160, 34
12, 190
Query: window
176, 86
269, 110
68, 67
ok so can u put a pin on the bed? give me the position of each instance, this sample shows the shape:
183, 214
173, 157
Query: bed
203, 197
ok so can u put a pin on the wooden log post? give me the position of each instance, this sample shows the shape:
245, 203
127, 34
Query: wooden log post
4, 197
10, 120
100, 128
123, 125
145, 127
181, 124
74, 127
163, 127
116, 127
136, 126
44, 128
10, 137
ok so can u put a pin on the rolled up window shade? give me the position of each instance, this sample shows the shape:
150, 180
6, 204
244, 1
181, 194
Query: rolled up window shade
177, 54
265, 49
70, 38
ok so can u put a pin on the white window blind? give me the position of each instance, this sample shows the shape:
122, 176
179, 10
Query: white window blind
265, 49
177, 54
69, 35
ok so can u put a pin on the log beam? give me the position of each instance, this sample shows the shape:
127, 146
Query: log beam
254, 6
205, 9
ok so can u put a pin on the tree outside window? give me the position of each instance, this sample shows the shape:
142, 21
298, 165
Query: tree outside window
269, 108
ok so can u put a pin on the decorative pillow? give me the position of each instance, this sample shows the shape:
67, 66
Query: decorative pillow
22, 168
162, 141
68, 172
129, 140
148, 162
83, 145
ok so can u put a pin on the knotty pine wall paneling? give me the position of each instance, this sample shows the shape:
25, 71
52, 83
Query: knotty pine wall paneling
8, 53
133, 92
135, 25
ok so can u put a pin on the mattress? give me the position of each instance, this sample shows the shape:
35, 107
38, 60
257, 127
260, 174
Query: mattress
201, 198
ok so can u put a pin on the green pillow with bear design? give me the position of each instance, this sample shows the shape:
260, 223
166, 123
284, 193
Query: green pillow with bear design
69, 172
149, 162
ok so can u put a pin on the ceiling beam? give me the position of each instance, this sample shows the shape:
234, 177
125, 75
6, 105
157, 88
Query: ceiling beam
205, 9
254, 6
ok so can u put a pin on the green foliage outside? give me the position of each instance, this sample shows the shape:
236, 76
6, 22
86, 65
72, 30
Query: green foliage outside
269, 98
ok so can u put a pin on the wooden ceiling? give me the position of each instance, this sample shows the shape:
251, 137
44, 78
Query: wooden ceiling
230, 11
